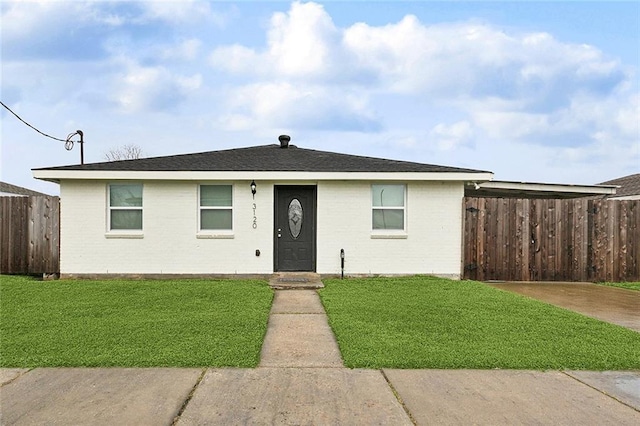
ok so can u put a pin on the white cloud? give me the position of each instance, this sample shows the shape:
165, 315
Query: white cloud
24, 18
192, 83
285, 105
444, 60
453, 136
236, 59
49, 29
181, 12
509, 125
300, 43
183, 50
392, 53
520, 84
626, 120
586, 120
84, 30
153, 88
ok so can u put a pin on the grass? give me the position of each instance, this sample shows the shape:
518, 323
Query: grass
178, 323
628, 286
425, 322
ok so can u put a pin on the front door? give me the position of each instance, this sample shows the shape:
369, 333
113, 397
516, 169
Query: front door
295, 228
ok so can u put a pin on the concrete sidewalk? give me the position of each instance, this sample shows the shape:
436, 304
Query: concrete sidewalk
157, 396
301, 380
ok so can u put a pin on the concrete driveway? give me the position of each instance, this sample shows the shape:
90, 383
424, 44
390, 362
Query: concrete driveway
615, 305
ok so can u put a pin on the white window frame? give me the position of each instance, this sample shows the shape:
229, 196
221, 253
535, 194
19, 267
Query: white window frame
124, 233
390, 233
216, 233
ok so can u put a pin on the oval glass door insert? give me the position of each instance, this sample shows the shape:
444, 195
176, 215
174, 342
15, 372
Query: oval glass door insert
295, 218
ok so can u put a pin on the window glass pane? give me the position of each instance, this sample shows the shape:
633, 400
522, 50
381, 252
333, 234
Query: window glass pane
215, 195
126, 219
387, 195
295, 214
388, 219
125, 195
215, 219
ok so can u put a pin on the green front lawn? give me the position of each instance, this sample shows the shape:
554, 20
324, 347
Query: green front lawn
425, 322
628, 286
181, 323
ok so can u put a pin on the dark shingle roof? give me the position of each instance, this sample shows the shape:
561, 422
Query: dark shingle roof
629, 185
19, 190
266, 158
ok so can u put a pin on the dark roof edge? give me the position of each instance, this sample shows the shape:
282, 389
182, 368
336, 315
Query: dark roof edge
19, 190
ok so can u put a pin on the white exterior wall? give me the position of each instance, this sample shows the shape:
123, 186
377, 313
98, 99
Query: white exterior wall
433, 241
169, 243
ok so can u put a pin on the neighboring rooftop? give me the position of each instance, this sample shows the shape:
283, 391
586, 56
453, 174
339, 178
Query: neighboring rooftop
9, 190
266, 158
629, 187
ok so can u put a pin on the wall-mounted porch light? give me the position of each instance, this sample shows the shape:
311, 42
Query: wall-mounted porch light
253, 188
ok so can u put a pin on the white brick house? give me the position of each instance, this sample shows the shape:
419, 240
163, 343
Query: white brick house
197, 214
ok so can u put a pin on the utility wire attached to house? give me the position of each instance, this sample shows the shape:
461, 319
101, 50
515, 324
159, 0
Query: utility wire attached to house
68, 143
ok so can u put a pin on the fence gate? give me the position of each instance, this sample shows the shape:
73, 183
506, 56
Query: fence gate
551, 240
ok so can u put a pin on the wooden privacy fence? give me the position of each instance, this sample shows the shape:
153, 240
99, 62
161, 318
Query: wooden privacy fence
551, 240
29, 235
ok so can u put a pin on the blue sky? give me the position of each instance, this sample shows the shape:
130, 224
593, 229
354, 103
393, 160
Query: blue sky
533, 91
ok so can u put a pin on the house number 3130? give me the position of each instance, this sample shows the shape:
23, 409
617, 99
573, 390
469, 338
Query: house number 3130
255, 219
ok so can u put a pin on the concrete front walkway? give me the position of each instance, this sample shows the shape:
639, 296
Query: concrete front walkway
301, 380
611, 304
298, 333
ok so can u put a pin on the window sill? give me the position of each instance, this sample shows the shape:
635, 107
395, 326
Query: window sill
215, 236
124, 235
389, 236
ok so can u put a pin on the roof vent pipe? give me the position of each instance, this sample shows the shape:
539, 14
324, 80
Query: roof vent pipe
284, 141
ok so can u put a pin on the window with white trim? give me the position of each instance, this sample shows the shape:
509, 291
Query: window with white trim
125, 206
216, 207
388, 207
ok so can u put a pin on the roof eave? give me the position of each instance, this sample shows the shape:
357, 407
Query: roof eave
503, 188
56, 176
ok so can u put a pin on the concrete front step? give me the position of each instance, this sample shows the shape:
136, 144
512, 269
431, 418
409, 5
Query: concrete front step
296, 281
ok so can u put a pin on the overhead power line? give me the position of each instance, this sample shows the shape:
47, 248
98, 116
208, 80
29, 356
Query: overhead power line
68, 143
41, 132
